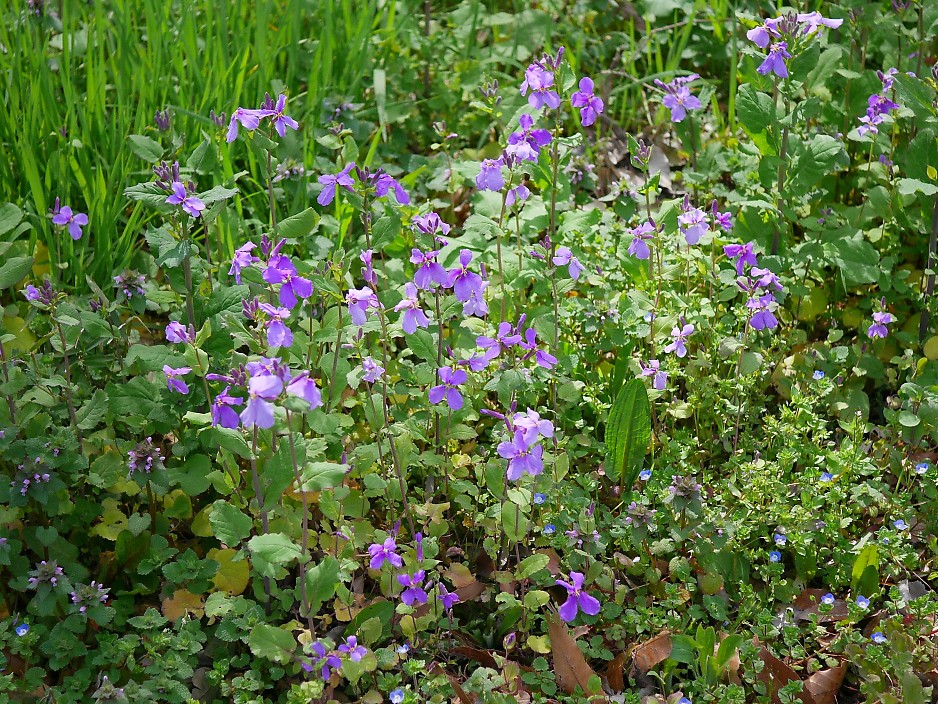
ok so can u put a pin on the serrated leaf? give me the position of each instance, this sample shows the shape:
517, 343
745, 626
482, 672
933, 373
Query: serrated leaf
276, 548
531, 564
423, 345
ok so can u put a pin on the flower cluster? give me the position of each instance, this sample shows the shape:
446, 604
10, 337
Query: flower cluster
46, 572
878, 105
777, 34
761, 285
145, 457
85, 595
523, 452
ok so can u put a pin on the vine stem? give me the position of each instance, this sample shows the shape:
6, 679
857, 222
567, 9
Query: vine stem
68, 383
304, 540
259, 498
6, 380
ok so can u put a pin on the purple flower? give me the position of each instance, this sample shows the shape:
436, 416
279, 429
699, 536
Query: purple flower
678, 98
413, 588
243, 257
249, 119
589, 104
519, 193
261, 389
330, 181
430, 224
742, 254
413, 316
766, 279
429, 271
304, 386
762, 307
22, 629
452, 379
540, 82
464, 282
523, 458
526, 144
639, 248
504, 339
814, 20
775, 61
222, 413
541, 358
368, 271
130, 283
359, 301
693, 224
476, 304
279, 120
372, 370
278, 334
190, 204
880, 320
577, 599
354, 651
563, 256
653, 369
176, 333
75, 221
281, 270
448, 598
328, 663
384, 552
173, 382
533, 425
680, 336
490, 175
385, 183
92, 594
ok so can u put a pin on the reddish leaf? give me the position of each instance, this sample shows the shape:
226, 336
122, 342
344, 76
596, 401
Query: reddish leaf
824, 684
651, 652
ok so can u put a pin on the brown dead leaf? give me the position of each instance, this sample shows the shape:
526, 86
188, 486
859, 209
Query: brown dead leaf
459, 575
824, 684
182, 602
648, 654
570, 665
615, 673
776, 674
553, 565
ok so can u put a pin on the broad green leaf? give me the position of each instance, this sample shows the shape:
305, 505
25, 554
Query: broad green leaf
270, 642
531, 564
146, 148
422, 344
299, 225
229, 523
321, 583
318, 476
868, 559
276, 548
755, 110
14, 270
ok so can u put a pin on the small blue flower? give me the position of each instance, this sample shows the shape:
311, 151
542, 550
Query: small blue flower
549, 529
818, 375
403, 649
22, 629
539, 498
863, 602
685, 700
779, 539
775, 556
827, 599
397, 696
878, 638
645, 475
899, 524
921, 468
827, 476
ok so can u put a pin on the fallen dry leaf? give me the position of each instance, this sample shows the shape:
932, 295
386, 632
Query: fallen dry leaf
615, 673
648, 654
824, 684
182, 602
570, 665
806, 604
776, 674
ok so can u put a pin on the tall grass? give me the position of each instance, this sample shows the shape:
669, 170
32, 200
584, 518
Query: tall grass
75, 86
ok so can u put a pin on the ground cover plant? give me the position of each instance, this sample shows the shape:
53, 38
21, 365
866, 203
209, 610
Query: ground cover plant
426, 352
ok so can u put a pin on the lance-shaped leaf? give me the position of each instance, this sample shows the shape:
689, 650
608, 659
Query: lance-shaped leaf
628, 431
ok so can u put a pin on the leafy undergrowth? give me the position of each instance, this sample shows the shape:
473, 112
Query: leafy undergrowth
537, 399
